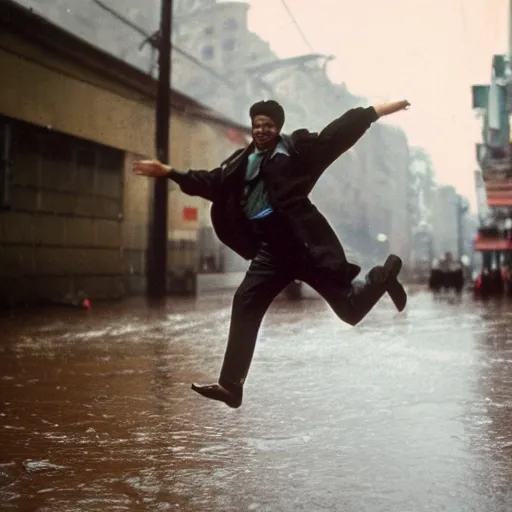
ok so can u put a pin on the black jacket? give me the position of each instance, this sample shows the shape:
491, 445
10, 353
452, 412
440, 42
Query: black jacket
289, 180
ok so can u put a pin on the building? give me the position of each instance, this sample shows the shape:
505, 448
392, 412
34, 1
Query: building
387, 183
127, 30
421, 189
72, 120
217, 34
494, 179
445, 224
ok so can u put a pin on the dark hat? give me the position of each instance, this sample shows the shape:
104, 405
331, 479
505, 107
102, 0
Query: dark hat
269, 108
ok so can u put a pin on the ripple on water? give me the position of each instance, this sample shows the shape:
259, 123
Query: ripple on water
35, 466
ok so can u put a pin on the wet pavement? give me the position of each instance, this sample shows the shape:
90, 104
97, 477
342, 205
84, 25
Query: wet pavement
404, 413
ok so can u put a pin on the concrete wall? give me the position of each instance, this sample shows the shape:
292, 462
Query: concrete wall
203, 148
86, 105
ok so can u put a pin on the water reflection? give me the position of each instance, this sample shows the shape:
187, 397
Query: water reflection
494, 409
408, 412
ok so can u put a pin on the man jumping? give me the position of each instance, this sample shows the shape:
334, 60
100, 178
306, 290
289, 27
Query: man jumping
261, 210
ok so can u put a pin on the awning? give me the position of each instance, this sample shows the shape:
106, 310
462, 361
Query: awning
499, 193
499, 200
492, 244
499, 185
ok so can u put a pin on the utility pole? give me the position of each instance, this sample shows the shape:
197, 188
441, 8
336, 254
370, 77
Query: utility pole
5, 165
157, 250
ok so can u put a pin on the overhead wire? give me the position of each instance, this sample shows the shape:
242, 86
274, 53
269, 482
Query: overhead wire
297, 26
150, 38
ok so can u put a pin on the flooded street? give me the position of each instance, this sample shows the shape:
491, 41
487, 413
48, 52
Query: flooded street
408, 412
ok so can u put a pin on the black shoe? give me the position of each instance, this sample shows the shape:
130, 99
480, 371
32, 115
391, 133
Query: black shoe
216, 392
395, 290
387, 277
392, 267
384, 275
397, 294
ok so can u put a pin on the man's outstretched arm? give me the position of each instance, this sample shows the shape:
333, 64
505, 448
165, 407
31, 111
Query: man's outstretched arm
347, 129
204, 184
342, 133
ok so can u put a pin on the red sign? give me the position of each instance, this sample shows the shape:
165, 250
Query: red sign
190, 213
236, 136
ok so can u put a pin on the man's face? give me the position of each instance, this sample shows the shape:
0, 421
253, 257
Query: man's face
264, 132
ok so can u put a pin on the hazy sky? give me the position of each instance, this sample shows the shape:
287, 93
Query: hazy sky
428, 51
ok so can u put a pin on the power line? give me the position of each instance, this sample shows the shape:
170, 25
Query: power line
153, 40
297, 26
121, 18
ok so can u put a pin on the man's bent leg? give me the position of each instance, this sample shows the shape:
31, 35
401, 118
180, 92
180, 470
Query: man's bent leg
352, 303
262, 283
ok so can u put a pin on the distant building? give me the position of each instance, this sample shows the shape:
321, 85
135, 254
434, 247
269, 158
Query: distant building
493, 102
217, 34
420, 201
445, 216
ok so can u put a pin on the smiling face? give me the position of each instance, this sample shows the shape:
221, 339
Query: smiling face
264, 132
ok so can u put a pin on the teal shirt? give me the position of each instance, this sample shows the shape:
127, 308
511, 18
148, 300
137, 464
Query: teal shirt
257, 204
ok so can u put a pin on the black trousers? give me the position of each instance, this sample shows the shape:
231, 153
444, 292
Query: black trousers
276, 265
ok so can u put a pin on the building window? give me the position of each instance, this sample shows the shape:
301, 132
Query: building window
230, 24
208, 31
229, 45
55, 173
207, 52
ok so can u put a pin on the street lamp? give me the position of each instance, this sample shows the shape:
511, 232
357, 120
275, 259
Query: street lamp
381, 248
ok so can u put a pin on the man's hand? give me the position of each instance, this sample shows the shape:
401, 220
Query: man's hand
151, 168
390, 108
404, 105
